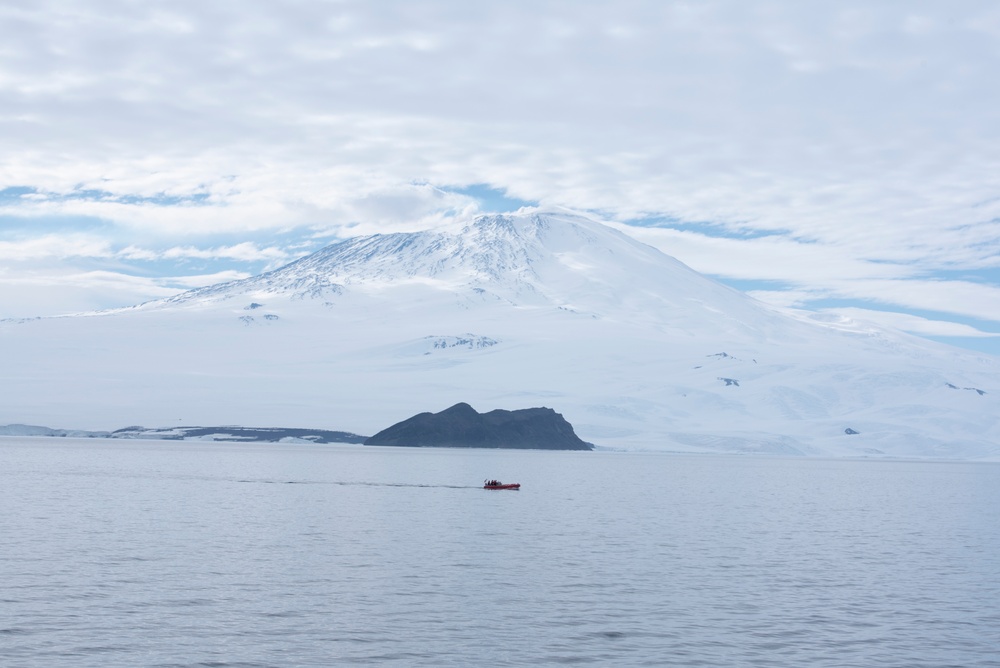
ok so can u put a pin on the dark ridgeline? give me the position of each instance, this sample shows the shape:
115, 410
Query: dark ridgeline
239, 434
462, 427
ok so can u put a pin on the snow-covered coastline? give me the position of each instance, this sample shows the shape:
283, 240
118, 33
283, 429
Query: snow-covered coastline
634, 348
224, 433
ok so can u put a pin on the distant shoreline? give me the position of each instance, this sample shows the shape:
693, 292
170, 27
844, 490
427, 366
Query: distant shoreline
226, 434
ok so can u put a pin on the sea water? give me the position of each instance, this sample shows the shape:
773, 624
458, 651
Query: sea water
148, 553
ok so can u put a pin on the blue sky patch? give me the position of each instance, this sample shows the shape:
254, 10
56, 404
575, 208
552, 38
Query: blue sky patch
750, 285
13, 194
29, 226
491, 200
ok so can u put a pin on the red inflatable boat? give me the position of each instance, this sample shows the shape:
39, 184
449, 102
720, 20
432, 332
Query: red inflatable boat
496, 484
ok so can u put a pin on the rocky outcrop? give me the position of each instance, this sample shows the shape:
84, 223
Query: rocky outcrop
462, 427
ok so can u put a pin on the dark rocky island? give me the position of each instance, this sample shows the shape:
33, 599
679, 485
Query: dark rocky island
462, 427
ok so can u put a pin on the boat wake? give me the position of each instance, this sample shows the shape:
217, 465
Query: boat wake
355, 483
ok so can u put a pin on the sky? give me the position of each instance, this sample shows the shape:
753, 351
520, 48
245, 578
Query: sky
840, 156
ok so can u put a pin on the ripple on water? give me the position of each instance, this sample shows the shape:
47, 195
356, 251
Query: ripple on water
209, 556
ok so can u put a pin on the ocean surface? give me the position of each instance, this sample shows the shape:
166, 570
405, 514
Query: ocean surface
151, 553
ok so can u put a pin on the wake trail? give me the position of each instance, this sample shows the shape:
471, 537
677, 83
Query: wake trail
345, 483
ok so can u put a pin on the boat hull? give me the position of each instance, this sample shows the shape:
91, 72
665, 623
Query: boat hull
515, 485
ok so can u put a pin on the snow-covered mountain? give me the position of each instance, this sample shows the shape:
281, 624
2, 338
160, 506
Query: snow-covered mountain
635, 349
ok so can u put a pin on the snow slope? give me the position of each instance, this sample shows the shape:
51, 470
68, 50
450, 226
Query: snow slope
635, 349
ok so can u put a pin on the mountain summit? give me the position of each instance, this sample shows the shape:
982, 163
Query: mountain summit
632, 346
529, 262
532, 259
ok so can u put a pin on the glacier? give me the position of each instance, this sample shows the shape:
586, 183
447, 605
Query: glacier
537, 308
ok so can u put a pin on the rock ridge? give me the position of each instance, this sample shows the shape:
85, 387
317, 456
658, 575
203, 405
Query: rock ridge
461, 426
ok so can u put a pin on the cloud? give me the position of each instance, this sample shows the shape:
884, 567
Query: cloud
54, 290
849, 148
822, 120
814, 272
247, 252
202, 280
772, 258
959, 297
91, 246
912, 323
55, 246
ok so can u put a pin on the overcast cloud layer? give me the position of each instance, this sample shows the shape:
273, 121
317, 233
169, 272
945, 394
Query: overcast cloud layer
828, 155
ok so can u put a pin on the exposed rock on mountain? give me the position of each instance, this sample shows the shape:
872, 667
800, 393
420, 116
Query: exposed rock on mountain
462, 427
